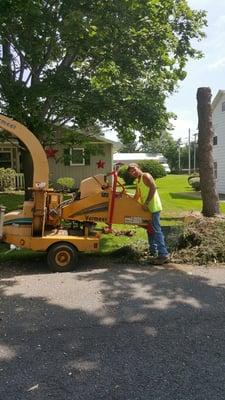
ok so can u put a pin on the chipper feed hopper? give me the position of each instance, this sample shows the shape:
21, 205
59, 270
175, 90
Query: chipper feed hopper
64, 228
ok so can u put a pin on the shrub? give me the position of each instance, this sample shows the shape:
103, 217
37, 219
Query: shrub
7, 178
153, 167
121, 181
127, 178
195, 183
194, 175
65, 184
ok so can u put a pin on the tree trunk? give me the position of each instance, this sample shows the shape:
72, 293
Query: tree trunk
205, 145
27, 165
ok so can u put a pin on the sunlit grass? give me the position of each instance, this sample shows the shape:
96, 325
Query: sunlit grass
177, 198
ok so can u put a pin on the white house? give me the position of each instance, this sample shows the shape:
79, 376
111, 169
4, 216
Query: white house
127, 158
218, 122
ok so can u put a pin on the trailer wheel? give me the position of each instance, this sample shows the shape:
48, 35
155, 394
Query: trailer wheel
62, 257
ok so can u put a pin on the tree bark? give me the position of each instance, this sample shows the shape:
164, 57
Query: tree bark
27, 165
210, 197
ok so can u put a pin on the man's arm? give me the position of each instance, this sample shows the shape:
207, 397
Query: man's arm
150, 183
136, 194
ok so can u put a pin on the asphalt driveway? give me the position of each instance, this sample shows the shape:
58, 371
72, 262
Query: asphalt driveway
120, 332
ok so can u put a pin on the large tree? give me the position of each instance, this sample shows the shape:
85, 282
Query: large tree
210, 199
94, 62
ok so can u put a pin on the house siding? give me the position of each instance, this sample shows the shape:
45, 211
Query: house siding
218, 121
80, 172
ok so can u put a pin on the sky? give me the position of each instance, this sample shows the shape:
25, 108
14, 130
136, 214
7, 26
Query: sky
206, 72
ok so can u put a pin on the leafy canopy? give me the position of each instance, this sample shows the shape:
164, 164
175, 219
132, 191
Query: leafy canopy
94, 62
166, 145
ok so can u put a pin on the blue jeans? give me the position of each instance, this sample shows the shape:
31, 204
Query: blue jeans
156, 238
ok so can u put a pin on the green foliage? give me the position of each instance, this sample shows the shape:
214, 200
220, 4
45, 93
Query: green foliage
7, 178
111, 63
176, 154
195, 183
127, 178
202, 242
133, 252
153, 167
193, 175
164, 144
121, 181
66, 183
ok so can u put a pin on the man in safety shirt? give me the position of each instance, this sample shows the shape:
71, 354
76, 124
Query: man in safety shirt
147, 195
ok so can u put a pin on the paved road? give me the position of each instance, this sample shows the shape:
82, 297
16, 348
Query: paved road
119, 332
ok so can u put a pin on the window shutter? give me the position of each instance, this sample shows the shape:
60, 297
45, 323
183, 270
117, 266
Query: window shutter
87, 157
66, 156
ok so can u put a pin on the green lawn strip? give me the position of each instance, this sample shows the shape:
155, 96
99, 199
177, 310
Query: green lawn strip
18, 256
110, 242
12, 200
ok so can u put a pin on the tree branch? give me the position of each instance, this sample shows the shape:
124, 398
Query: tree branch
6, 58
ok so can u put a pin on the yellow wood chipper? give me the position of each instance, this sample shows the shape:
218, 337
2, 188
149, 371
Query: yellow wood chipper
64, 228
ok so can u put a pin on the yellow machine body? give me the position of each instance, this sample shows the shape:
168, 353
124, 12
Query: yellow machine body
97, 207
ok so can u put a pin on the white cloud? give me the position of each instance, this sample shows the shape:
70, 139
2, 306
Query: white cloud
218, 64
182, 126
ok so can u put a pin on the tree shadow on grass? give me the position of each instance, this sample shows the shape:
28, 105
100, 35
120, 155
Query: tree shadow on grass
185, 196
137, 333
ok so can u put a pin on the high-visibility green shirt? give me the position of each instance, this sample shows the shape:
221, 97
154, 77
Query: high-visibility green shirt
155, 204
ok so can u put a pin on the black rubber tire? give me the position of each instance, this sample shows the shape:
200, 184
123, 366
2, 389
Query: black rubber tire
62, 257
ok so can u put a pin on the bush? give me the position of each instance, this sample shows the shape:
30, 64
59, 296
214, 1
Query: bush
194, 175
153, 167
65, 184
195, 183
127, 178
7, 178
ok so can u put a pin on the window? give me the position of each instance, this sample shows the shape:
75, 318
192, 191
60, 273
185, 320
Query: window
5, 159
77, 156
223, 106
214, 140
215, 170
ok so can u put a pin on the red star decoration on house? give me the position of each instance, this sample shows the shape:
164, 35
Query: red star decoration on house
100, 164
50, 152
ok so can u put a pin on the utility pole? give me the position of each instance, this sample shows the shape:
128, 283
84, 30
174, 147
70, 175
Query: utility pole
179, 157
195, 143
195, 146
189, 151
179, 145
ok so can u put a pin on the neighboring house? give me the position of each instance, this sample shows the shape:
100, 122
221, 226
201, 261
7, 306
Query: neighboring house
218, 122
10, 155
127, 158
79, 167
10, 158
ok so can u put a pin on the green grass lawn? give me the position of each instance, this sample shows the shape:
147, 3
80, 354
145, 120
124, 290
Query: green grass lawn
177, 198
